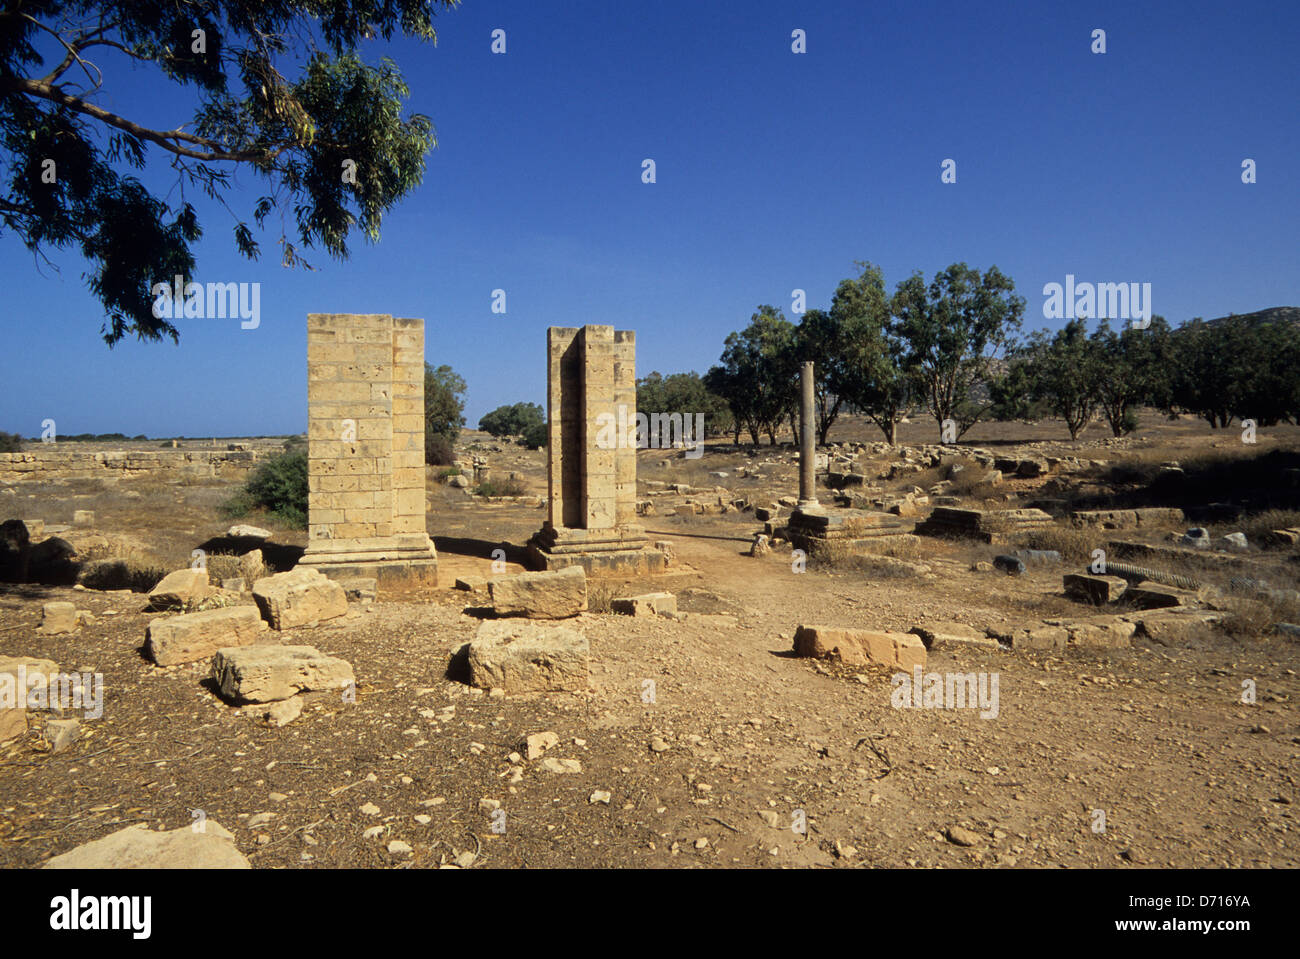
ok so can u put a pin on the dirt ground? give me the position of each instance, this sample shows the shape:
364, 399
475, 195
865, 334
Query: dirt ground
714, 743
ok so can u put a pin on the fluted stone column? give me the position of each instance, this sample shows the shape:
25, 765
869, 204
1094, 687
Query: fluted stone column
808, 437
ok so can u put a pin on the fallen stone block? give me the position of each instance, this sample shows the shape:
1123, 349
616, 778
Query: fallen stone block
546, 595
524, 657
760, 546
83, 517
252, 567
1156, 596
17, 675
301, 596
1106, 633
190, 637
58, 618
858, 647
1093, 588
243, 531
939, 635
647, 604
1173, 628
1036, 638
179, 589
136, 847
262, 674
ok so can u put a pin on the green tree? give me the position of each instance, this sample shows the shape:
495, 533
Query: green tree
1133, 371
512, 420
760, 373
330, 142
444, 404
869, 371
684, 394
1065, 373
954, 331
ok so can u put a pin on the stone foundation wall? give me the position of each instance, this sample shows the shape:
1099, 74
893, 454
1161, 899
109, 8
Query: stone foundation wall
43, 465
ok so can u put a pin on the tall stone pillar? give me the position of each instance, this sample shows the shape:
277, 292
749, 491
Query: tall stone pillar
591, 454
808, 437
365, 436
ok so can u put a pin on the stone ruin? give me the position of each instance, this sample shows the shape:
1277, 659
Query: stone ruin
591, 456
366, 477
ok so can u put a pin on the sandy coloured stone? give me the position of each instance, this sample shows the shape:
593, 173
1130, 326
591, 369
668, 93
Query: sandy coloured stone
58, 618
519, 656
190, 637
179, 589
938, 635
263, 674
137, 847
16, 674
547, 595
859, 647
301, 596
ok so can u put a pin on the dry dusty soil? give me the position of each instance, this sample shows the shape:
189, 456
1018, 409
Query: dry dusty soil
715, 745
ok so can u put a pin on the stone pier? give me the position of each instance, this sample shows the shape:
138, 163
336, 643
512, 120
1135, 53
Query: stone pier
366, 490
591, 455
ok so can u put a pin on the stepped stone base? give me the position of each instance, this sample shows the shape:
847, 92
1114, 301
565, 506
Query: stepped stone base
404, 566
812, 529
613, 552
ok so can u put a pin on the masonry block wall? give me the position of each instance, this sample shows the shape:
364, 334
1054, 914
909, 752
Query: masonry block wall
365, 398
591, 378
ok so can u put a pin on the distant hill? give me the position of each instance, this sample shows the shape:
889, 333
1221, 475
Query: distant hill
1274, 314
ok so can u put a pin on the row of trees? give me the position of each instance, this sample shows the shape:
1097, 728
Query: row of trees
935, 346
951, 348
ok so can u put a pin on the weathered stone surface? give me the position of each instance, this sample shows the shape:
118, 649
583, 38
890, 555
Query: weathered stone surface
58, 618
1157, 596
136, 847
1095, 589
262, 674
1036, 638
360, 589
14, 674
244, 531
1173, 627
190, 637
760, 546
860, 646
526, 657
549, 595
938, 635
647, 604
179, 589
1103, 633
1011, 565
83, 517
252, 567
301, 596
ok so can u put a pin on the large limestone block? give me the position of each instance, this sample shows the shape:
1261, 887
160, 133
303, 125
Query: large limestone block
858, 647
549, 595
264, 674
1094, 589
528, 657
58, 618
15, 679
301, 596
180, 589
647, 604
194, 636
137, 847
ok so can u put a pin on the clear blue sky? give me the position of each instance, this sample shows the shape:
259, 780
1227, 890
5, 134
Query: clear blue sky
775, 171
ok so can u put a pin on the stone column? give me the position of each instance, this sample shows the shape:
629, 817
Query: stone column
808, 437
365, 431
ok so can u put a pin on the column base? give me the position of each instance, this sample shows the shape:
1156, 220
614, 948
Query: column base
623, 551
404, 566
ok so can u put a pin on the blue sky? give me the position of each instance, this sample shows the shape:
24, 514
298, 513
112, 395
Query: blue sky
775, 171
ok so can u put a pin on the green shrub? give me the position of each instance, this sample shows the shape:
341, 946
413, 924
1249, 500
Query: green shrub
512, 420
10, 442
279, 486
505, 487
535, 436
437, 449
